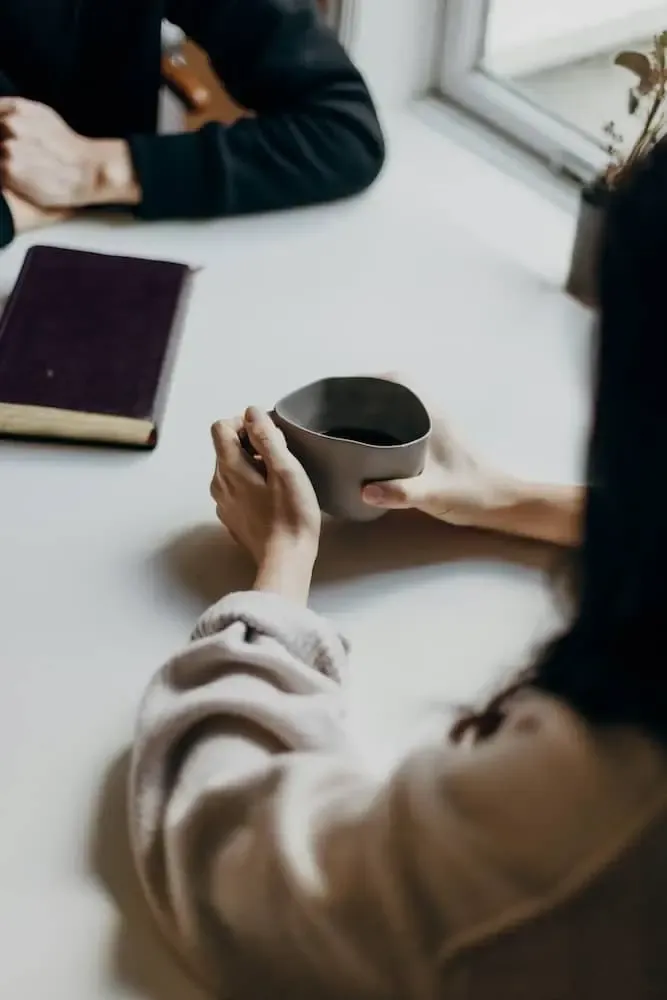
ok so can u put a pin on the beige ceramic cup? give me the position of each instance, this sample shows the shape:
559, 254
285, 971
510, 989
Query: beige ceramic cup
348, 432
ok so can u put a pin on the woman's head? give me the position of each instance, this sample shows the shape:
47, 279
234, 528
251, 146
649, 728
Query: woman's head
611, 664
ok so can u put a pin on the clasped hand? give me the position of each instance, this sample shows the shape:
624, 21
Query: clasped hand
42, 159
47, 170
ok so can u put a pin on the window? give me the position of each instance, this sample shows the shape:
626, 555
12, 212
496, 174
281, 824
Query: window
340, 15
544, 74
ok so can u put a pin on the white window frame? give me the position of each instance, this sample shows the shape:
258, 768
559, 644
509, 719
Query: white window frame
463, 81
341, 15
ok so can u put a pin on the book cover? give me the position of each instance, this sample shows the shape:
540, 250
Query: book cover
87, 345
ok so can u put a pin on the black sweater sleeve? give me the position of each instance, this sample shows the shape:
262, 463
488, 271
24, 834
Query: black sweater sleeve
7, 89
315, 136
6, 223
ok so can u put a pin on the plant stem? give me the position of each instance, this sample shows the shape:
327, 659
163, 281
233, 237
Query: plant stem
636, 150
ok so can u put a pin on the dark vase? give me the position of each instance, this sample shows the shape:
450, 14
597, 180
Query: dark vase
582, 280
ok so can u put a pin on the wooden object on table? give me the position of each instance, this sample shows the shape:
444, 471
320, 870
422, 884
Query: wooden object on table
183, 80
215, 103
220, 107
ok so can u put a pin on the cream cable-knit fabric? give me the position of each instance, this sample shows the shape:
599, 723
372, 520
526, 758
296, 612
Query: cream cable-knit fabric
533, 865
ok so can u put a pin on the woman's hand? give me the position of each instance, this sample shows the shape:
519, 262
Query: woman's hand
455, 486
268, 505
458, 488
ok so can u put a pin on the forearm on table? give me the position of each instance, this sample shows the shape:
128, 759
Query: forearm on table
545, 512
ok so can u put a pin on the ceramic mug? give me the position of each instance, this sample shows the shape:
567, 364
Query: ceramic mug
348, 432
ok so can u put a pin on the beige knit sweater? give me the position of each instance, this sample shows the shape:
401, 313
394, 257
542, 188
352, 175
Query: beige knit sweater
529, 867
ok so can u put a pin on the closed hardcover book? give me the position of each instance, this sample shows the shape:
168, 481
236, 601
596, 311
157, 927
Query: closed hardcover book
87, 346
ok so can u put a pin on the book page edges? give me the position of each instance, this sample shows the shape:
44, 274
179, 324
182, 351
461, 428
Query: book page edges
44, 422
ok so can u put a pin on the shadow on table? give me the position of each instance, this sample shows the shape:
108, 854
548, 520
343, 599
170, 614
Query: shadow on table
140, 959
208, 564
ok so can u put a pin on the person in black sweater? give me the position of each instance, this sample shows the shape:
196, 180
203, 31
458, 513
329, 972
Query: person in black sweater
79, 84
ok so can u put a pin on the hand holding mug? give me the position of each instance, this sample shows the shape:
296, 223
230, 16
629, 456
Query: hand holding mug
455, 486
267, 505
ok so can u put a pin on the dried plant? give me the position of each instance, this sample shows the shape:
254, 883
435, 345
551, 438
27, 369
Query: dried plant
647, 98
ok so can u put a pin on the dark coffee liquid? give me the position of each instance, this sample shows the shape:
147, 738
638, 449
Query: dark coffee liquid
363, 436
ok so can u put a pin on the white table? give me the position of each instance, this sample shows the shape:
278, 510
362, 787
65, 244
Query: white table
107, 557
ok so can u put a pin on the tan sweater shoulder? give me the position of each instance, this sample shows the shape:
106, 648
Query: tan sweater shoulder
552, 802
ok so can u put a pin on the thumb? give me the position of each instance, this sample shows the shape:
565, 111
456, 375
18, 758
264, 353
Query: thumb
267, 440
394, 494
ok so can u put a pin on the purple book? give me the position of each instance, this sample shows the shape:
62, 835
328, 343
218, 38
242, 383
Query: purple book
87, 346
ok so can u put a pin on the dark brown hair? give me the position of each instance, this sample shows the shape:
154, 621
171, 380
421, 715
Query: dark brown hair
610, 665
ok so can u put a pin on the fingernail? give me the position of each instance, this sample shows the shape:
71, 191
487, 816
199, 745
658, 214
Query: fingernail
251, 414
373, 494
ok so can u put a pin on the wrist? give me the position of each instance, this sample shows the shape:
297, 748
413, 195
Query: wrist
478, 503
497, 499
286, 566
544, 512
113, 177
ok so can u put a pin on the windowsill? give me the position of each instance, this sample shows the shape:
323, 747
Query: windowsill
507, 197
